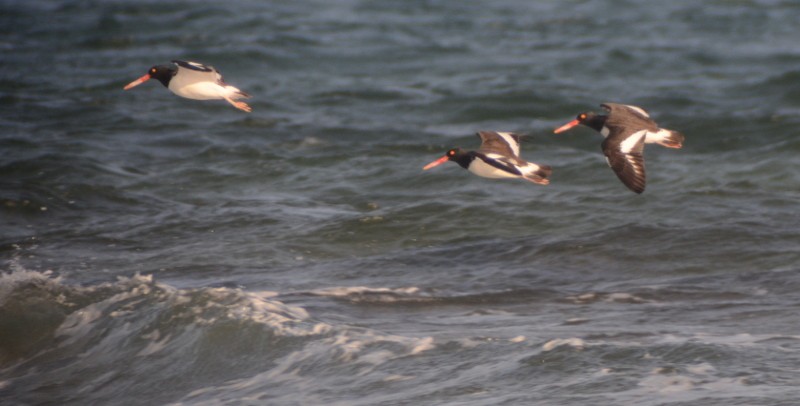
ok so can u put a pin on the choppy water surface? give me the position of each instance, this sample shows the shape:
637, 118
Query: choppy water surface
158, 250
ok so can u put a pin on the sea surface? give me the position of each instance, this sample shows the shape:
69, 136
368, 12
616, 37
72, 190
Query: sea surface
156, 250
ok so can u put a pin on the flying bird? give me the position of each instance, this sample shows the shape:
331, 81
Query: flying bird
626, 130
497, 157
196, 81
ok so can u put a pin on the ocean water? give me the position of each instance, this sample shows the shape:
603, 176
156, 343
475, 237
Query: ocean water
163, 251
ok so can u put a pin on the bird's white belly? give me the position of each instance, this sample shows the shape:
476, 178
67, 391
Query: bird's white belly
199, 91
485, 170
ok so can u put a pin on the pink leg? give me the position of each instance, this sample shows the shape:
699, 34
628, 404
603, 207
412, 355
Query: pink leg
239, 105
538, 181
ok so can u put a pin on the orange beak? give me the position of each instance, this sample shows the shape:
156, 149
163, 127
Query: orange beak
137, 82
567, 126
436, 162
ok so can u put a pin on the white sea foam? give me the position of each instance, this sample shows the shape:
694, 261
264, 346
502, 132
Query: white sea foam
667, 383
312, 142
576, 320
398, 378
624, 297
18, 276
469, 342
690, 384
353, 346
613, 297
572, 342
155, 345
693, 388
736, 340
362, 349
703, 368
372, 295
78, 324
257, 308
604, 372
422, 344
123, 308
360, 290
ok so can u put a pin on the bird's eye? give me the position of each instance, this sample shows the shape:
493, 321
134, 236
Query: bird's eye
153, 70
583, 116
451, 152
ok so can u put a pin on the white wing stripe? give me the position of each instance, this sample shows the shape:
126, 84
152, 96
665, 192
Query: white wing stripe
634, 164
631, 142
658, 136
510, 141
638, 109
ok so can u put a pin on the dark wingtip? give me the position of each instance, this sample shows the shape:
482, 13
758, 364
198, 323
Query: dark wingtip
545, 171
638, 189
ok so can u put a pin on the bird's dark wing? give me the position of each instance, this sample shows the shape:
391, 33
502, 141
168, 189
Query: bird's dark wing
627, 162
626, 119
501, 143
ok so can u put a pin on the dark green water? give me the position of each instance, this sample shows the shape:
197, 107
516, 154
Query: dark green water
158, 250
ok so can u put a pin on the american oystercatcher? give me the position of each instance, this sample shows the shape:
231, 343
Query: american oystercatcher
196, 81
626, 129
498, 157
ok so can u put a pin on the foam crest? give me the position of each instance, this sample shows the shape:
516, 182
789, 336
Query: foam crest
20, 277
734, 340
355, 352
373, 295
613, 297
148, 316
361, 290
356, 346
573, 342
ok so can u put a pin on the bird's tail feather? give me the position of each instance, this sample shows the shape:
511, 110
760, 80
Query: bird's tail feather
540, 175
673, 140
243, 94
236, 93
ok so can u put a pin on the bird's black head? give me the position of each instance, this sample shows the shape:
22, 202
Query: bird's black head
456, 155
589, 119
461, 157
592, 120
163, 73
